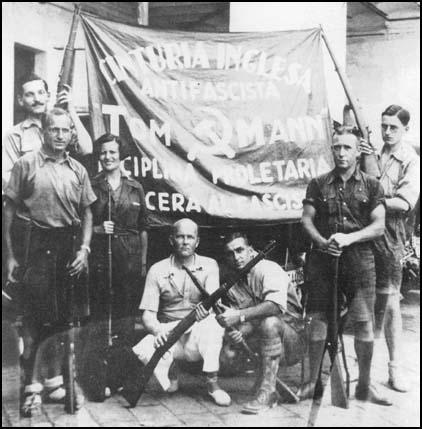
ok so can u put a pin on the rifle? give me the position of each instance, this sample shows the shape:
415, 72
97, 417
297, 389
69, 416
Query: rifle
369, 163
281, 386
135, 386
70, 368
66, 71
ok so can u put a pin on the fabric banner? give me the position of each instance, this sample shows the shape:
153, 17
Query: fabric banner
224, 128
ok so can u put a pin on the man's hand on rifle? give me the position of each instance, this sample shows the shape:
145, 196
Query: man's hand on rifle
11, 266
79, 264
342, 240
331, 247
235, 336
161, 338
65, 97
230, 317
365, 147
201, 313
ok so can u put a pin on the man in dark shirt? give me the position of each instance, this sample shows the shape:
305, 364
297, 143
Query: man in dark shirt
47, 212
342, 213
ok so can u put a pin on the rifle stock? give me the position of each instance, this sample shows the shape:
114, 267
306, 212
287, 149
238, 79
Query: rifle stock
133, 389
66, 71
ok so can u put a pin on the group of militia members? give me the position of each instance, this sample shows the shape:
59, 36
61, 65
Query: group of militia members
57, 219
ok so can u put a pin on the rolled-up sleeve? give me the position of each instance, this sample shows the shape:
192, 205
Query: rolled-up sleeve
312, 193
408, 187
376, 192
275, 284
212, 281
151, 297
88, 195
16, 181
10, 154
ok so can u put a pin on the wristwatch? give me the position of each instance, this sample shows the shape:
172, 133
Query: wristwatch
242, 318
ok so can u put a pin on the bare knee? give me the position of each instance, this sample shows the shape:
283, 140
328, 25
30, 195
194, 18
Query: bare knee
364, 331
270, 326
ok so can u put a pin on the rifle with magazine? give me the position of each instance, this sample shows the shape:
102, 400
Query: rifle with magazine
281, 387
134, 386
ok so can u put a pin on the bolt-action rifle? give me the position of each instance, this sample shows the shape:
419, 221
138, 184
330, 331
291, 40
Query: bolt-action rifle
134, 386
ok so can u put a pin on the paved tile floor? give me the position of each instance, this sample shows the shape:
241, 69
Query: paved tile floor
191, 407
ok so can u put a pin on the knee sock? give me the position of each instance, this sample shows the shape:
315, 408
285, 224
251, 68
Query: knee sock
364, 351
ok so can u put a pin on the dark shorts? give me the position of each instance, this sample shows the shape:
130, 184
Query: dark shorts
45, 283
388, 265
356, 282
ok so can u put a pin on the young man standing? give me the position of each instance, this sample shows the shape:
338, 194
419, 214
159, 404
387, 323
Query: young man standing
343, 213
400, 178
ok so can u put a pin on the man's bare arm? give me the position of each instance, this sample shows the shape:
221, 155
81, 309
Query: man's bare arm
11, 262
373, 230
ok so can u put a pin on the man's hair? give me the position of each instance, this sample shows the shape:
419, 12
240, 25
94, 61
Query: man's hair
29, 78
342, 130
106, 138
178, 222
233, 236
396, 110
56, 111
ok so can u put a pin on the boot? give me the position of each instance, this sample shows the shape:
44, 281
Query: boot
395, 378
267, 397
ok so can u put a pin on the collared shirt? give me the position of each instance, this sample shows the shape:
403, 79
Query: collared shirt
266, 281
169, 290
128, 209
343, 207
400, 174
49, 192
25, 137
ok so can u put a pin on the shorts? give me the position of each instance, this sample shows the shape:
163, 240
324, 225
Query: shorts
356, 282
388, 266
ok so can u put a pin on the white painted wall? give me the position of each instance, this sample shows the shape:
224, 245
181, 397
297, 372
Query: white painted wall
385, 70
43, 27
277, 16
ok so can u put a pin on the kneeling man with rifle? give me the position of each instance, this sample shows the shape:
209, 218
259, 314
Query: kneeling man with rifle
342, 213
259, 305
169, 296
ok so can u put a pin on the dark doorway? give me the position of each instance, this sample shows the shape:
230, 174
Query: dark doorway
24, 64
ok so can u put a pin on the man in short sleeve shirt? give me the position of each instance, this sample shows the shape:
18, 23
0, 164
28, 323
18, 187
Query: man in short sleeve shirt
47, 215
400, 178
169, 296
343, 213
259, 305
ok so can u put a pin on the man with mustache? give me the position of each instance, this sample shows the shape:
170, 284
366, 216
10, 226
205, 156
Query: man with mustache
400, 178
47, 216
27, 136
169, 296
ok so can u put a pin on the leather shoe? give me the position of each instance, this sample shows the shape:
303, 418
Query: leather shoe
370, 394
